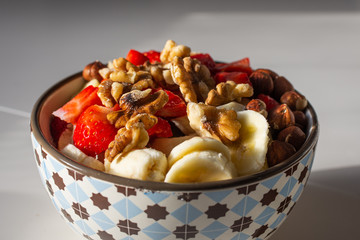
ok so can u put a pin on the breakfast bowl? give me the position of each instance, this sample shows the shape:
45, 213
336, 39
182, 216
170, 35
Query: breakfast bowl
98, 204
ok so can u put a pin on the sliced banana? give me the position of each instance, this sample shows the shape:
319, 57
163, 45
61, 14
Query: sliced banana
76, 154
249, 153
165, 145
144, 164
232, 106
197, 144
201, 166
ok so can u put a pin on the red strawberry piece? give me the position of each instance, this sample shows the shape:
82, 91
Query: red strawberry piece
237, 77
93, 132
206, 60
269, 101
242, 65
71, 111
153, 56
161, 129
136, 58
175, 107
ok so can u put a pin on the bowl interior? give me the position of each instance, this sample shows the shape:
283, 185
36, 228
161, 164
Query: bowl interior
61, 92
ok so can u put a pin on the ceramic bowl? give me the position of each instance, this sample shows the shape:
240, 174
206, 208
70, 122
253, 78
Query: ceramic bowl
102, 206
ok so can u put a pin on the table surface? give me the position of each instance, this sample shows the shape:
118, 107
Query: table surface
316, 45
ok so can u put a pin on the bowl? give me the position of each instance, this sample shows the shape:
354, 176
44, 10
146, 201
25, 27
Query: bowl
98, 205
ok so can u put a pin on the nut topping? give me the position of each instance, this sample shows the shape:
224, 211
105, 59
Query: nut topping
136, 102
91, 71
278, 152
227, 92
281, 85
258, 106
172, 50
209, 121
293, 135
193, 78
262, 82
294, 100
281, 117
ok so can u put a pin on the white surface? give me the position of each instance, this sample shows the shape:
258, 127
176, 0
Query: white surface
319, 51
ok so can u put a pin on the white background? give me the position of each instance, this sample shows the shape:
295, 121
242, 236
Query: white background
315, 44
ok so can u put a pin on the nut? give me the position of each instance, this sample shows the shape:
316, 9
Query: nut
281, 117
258, 106
227, 92
268, 71
278, 152
262, 82
294, 100
172, 50
281, 85
110, 92
293, 135
91, 71
193, 78
136, 102
300, 119
209, 121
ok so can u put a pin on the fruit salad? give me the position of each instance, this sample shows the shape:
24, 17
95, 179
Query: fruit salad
177, 116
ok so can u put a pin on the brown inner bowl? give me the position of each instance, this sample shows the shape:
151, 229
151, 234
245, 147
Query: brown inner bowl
58, 94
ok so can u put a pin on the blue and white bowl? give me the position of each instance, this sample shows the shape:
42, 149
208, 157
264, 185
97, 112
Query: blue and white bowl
104, 207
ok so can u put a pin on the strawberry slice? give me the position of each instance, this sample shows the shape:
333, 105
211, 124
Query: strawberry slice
269, 101
153, 56
207, 60
136, 58
242, 65
161, 129
93, 132
175, 107
237, 77
71, 111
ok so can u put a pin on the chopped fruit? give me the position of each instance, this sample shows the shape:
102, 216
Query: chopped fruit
93, 132
237, 77
71, 111
57, 127
242, 65
136, 58
153, 56
161, 129
269, 101
206, 60
175, 107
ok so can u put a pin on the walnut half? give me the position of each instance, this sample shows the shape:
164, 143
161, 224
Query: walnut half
209, 121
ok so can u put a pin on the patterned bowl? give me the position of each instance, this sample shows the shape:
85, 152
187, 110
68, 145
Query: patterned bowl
102, 206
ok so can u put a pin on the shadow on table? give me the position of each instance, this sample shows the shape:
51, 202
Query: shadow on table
329, 208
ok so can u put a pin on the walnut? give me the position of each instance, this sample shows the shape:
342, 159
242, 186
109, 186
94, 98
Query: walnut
209, 121
110, 92
229, 91
193, 78
136, 102
126, 139
172, 50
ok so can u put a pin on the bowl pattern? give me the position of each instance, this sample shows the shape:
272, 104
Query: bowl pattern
98, 209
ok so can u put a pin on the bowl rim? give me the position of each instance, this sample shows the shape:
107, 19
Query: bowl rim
310, 143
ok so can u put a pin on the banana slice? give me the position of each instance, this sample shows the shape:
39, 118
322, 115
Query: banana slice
232, 106
249, 155
165, 145
201, 166
197, 144
144, 164
76, 154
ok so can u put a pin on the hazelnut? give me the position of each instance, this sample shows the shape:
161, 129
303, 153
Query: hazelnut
294, 100
281, 85
262, 82
268, 71
293, 135
281, 117
300, 119
278, 152
258, 106
91, 71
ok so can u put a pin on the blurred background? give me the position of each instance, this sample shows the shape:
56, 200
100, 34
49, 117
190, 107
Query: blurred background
315, 44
